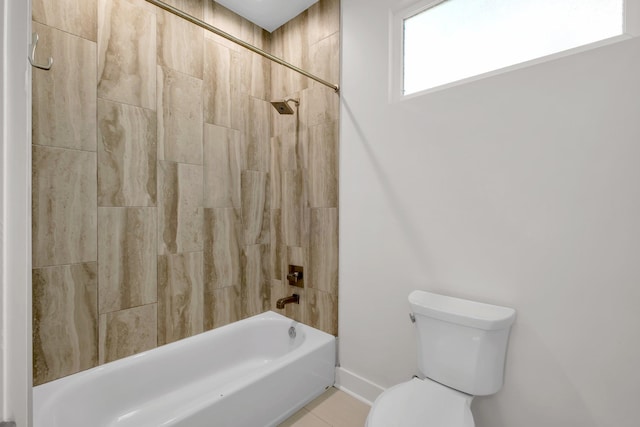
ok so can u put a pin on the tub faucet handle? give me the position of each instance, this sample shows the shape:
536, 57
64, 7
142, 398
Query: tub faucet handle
295, 276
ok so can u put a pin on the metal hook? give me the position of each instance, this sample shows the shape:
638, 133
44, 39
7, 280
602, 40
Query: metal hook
32, 57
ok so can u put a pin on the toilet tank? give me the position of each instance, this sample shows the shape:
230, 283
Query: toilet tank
461, 344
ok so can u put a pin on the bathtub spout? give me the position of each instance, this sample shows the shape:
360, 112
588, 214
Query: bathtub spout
295, 298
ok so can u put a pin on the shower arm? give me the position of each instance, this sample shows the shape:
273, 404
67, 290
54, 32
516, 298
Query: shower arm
242, 43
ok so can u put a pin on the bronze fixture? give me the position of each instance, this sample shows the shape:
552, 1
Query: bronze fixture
295, 298
283, 107
295, 277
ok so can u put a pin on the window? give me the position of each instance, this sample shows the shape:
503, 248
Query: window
447, 41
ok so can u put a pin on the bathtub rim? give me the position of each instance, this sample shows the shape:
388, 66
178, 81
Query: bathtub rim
267, 315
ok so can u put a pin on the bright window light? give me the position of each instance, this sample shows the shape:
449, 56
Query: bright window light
455, 39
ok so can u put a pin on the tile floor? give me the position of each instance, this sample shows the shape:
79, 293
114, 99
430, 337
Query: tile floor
334, 408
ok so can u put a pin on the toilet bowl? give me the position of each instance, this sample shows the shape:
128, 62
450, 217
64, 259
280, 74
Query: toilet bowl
421, 403
462, 346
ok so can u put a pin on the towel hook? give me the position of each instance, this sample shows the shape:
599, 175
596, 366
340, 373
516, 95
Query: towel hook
32, 57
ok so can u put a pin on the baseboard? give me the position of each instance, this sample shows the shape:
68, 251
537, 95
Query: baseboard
356, 386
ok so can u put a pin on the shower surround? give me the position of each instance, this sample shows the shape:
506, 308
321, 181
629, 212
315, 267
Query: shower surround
168, 196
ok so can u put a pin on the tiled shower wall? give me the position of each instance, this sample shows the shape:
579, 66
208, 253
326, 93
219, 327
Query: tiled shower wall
304, 153
157, 200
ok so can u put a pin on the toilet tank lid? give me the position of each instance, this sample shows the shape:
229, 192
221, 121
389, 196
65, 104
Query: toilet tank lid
461, 311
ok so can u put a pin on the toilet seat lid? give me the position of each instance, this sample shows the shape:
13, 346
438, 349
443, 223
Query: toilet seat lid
421, 403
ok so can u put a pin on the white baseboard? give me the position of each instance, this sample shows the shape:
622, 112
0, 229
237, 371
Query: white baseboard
356, 386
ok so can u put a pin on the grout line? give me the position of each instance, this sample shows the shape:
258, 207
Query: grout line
308, 415
53, 27
126, 104
62, 265
65, 148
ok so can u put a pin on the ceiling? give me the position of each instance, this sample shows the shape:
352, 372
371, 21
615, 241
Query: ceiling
268, 14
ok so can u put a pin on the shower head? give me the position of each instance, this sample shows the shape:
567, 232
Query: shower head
283, 106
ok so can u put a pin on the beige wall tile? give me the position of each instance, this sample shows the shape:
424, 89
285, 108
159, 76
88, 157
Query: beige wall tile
71, 16
257, 135
127, 268
255, 207
293, 201
275, 172
126, 155
306, 226
223, 161
323, 165
64, 98
127, 332
322, 310
325, 59
256, 285
65, 325
127, 52
277, 245
278, 89
180, 44
295, 149
277, 291
180, 296
179, 208
222, 240
231, 23
64, 206
323, 250
291, 43
180, 120
297, 312
319, 105
258, 75
217, 88
222, 306
192, 7
262, 38
224, 96
324, 20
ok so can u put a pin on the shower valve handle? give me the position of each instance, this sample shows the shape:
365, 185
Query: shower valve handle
294, 276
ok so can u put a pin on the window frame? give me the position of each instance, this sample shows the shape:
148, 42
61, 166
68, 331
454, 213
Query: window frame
630, 29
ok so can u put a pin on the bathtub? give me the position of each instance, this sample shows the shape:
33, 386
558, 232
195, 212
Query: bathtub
247, 374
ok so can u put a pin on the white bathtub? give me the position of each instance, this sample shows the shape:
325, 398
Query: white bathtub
247, 374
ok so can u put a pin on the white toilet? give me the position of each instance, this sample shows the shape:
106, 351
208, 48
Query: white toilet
461, 350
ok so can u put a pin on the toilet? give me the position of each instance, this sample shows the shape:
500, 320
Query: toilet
462, 346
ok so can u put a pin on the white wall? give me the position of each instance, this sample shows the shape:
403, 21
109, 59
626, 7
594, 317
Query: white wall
522, 190
15, 214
